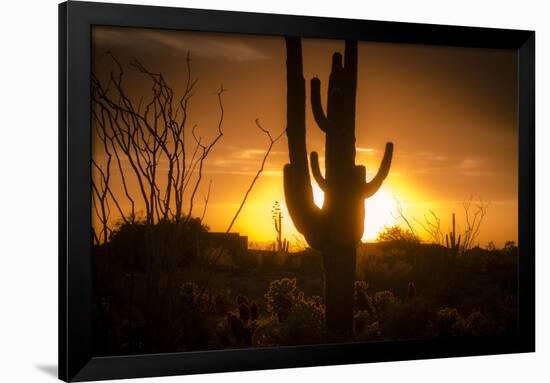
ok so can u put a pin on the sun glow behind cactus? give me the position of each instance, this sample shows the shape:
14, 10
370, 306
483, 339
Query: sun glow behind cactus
391, 103
378, 211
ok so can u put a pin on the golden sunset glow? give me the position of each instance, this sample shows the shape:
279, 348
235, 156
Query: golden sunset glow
380, 213
379, 209
204, 144
431, 119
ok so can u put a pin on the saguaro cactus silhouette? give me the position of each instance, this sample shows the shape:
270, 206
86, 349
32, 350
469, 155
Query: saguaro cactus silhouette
454, 244
277, 216
337, 227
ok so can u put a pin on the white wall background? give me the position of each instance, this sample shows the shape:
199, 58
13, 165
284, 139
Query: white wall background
28, 189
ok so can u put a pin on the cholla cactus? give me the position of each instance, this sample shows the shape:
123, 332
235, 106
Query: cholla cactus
282, 296
338, 226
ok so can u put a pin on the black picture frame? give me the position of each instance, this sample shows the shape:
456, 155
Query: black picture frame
75, 336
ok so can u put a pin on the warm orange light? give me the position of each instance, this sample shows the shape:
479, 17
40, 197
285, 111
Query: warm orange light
379, 209
378, 213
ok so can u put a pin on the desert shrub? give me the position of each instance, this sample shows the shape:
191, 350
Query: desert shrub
254, 313
361, 286
295, 319
268, 333
362, 300
241, 299
474, 324
305, 324
451, 323
507, 315
147, 307
282, 296
411, 291
387, 270
446, 321
179, 322
397, 234
372, 331
244, 312
239, 329
361, 319
510, 248
188, 295
240, 324
220, 304
410, 319
375, 269
367, 328
383, 299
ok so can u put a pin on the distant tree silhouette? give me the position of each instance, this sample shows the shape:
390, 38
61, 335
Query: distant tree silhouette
338, 226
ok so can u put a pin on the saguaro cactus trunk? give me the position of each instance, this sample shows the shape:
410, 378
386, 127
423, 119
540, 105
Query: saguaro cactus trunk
337, 227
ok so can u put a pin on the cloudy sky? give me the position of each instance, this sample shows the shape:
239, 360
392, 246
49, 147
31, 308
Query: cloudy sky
450, 112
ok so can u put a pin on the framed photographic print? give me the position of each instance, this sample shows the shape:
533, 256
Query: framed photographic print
249, 191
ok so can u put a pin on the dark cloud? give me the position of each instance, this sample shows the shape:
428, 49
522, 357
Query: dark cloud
176, 43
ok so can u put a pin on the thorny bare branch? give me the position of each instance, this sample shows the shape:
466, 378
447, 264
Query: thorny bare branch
432, 226
475, 213
206, 199
399, 214
272, 142
139, 137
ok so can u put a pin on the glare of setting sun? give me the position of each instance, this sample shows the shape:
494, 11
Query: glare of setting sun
378, 211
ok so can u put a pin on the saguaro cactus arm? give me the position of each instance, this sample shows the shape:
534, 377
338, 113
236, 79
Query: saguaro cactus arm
316, 171
297, 184
317, 106
295, 105
369, 188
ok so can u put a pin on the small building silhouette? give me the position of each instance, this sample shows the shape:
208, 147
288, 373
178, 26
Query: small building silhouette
233, 243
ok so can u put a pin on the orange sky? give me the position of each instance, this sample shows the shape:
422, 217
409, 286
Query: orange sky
451, 113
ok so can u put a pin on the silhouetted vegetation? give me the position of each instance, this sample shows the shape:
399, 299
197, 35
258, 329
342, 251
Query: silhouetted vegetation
162, 282
150, 293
